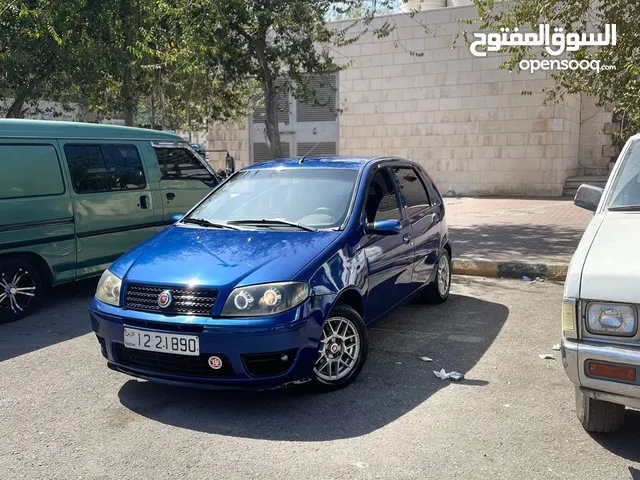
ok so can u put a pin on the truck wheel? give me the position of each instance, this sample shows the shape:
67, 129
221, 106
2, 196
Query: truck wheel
598, 416
20, 289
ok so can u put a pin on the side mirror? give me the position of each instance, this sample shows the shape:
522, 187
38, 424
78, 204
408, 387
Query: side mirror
221, 173
177, 217
588, 197
384, 227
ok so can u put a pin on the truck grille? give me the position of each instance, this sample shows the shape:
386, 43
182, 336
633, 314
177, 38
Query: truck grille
186, 301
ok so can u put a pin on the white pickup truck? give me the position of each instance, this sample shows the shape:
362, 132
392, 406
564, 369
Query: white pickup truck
600, 337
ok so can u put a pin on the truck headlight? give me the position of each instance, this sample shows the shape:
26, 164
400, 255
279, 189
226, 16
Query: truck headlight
108, 290
265, 299
569, 318
611, 319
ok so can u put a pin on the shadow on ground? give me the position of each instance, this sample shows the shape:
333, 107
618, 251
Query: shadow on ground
63, 315
625, 442
521, 243
394, 381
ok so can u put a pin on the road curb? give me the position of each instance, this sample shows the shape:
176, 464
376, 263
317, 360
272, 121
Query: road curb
487, 268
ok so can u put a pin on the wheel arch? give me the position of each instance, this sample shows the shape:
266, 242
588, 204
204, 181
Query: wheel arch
352, 297
34, 259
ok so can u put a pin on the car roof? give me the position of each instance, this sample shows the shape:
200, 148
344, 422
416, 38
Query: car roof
20, 128
325, 161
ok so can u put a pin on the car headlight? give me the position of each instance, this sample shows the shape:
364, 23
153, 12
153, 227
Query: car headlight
266, 299
108, 290
611, 319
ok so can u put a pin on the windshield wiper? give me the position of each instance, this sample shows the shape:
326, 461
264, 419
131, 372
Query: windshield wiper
206, 223
625, 208
273, 221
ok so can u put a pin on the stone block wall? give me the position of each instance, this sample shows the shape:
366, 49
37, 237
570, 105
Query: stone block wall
477, 129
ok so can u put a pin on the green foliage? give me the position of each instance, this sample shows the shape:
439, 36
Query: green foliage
618, 87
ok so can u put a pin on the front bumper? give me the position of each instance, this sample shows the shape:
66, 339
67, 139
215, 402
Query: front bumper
575, 357
295, 334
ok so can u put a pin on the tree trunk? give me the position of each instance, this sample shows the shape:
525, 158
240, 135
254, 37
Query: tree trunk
270, 100
126, 91
271, 121
16, 108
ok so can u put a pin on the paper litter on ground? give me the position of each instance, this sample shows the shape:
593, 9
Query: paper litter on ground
443, 375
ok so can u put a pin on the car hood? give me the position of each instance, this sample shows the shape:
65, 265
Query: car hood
211, 257
611, 269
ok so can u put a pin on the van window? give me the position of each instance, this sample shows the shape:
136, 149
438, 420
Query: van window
16, 161
103, 168
180, 163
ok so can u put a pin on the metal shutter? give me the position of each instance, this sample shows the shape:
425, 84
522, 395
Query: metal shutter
262, 153
322, 148
260, 112
326, 93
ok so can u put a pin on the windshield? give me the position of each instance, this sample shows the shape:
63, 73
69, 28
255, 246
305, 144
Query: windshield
312, 197
626, 187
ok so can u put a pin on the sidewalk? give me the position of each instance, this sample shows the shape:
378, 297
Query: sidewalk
512, 237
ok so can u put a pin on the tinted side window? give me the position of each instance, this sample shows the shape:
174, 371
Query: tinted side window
179, 163
102, 168
87, 167
29, 171
413, 189
124, 167
382, 203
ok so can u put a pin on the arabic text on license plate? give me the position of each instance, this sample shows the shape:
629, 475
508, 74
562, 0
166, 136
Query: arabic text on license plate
162, 342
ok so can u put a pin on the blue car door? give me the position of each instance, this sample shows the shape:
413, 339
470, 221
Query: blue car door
424, 218
390, 258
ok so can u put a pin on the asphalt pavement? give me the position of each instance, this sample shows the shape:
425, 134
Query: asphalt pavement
64, 415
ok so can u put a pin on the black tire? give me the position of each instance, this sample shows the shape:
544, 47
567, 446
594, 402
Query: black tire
598, 416
27, 278
432, 293
319, 384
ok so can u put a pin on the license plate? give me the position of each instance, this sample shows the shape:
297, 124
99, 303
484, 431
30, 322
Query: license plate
162, 342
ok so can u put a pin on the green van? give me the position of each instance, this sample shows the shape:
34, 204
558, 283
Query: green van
76, 196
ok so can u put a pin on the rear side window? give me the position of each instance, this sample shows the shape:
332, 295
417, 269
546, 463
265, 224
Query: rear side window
29, 171
104, 168
413, 189
180, 163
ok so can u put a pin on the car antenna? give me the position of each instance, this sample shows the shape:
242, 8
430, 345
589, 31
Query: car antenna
308, 153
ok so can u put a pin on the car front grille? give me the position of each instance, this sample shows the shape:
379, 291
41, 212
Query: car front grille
186, 301
173, 364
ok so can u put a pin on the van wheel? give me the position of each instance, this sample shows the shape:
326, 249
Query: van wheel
438, 290
343, 350
598, 416
20, 289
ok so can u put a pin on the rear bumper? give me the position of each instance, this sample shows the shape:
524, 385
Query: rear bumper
298, 337
575, 358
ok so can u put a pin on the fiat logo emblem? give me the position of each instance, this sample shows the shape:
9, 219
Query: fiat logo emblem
215, 362
164, 299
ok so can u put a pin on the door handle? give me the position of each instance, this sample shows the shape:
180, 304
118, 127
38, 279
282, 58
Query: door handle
144, 202
171, 196
406, 238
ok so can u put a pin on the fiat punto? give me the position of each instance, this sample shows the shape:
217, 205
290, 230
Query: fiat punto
274, 277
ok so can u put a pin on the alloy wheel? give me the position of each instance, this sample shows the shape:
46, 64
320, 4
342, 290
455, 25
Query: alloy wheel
339, 349
444, 275
17, 290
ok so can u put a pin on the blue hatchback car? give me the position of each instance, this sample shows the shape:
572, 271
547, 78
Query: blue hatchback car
275, 276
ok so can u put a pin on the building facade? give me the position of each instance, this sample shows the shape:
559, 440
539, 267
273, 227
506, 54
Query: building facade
478, 129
